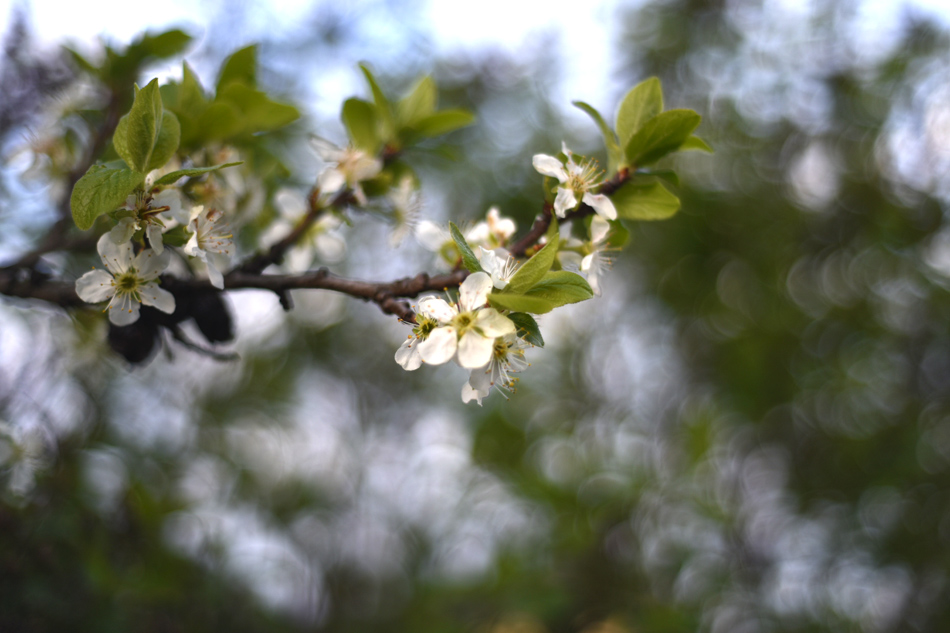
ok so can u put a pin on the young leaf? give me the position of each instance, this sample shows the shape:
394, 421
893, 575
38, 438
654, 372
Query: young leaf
443, 122
520, 303
418, 104
240, 67
694, 142
137, 131
650, 201
535, 268
162, 45
219, 121
359, 117
169, 136
100, 190
260, 112
527, 328
610, 139
640, 105
191, 172
191, 96
659, 136
384, 109
561, 287
468, 257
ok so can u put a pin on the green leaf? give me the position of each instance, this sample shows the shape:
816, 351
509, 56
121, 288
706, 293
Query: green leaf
561, 287
137, 131
659, 136
177, 236
640, 105
191, 96
384, 109
443, 122
527, 328
418, 104
359, 117
260, 112
610, 139
520, 303
618, 236
82, 62
535, 268
169, 136
468, 257
694, 142
162, 45
191, 172
650, 201
220, 121
241, 67
101, 190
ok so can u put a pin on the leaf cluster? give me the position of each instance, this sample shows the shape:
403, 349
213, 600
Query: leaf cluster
382, 124
643, 134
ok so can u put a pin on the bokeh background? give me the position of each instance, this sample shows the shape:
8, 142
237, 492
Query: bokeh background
749, 431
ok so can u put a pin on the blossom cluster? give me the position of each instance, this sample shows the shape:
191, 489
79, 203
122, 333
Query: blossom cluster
478, 337
131, 280
177, 191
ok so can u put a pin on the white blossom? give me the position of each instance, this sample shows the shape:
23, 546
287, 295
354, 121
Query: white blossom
128, 281
210, 242
576, 179
349, 167
321, 239
597, 261
467, 329
406, 204
491, 233
507, 358
500, 269
408, 355
143, 217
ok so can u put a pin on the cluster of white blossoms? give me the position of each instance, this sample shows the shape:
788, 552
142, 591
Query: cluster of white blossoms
576, 181
469, 331
492, 233
131, 280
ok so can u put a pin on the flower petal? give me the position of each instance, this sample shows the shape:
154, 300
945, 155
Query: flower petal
480, 378
438, 309
95, 286
326, 150
602, 205
598, 228
475, 350
158, 298
172, 199
150, 264
408, 355
492, 323
469, 394
564, 202
124, 230
116, 257
331, 180
473, 293
124, 312
431, 235
439, 347
549, 166
214, 274
154, 235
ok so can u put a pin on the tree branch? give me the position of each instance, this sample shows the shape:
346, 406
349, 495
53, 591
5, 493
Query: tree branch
389, 296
